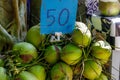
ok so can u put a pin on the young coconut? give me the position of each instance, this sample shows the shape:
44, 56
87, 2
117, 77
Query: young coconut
26, 51
109, 7
61, 71
92, 69
34, 37
81, 35
38, 71
25, 75
101, 50
52, 54
71, 54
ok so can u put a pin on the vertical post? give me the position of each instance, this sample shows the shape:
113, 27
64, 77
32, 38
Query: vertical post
115, 65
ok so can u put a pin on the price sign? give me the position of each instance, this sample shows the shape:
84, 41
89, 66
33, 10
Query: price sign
58, 16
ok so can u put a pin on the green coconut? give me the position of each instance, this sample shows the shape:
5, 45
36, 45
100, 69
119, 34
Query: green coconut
34, 37
92, 69
109, 8
101, 50
102, 77
81, 35
52, 54
27, 52
3, 75
38, 71
71, 54
61, 71
25, 75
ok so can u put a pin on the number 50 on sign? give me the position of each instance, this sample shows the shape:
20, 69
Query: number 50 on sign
58, 16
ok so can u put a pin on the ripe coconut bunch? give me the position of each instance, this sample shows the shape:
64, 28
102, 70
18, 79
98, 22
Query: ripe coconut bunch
61, 60
101, 50
109, 7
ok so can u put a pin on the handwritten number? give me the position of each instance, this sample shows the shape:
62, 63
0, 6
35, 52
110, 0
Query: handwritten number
67, 18
51, 16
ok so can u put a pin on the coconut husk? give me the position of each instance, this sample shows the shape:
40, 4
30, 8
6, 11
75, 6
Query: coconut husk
12, 20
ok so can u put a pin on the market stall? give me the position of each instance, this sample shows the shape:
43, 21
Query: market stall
49, 40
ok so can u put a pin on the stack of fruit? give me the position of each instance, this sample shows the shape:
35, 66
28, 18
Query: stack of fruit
76, 57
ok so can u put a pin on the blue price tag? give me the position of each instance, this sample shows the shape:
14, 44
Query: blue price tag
58, 16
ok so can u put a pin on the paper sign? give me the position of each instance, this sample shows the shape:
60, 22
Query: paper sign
58, 16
